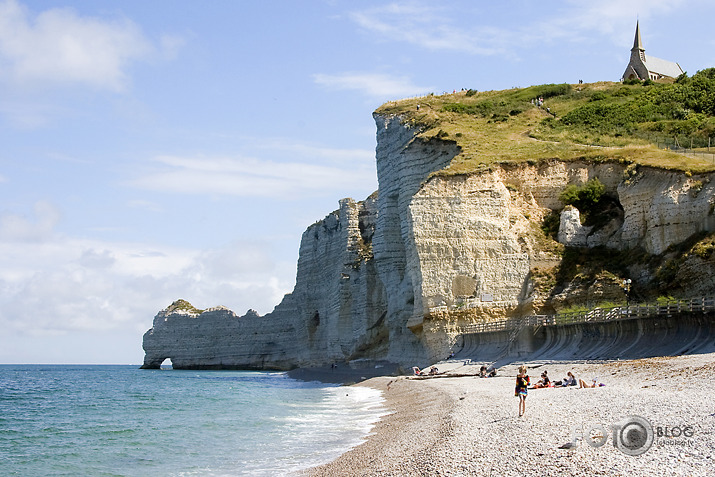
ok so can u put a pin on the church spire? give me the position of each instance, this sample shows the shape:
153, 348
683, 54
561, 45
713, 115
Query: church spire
637, 43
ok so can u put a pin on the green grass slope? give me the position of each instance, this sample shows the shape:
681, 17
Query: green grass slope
599, 122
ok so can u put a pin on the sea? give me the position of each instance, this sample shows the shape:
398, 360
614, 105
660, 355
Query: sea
62, 420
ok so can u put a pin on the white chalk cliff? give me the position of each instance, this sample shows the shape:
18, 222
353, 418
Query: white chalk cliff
396, 277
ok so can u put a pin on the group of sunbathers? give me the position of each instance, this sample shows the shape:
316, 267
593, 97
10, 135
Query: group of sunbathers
423, 372
569, 380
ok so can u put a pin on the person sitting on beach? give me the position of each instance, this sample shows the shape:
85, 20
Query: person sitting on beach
544, 382
417, 371
594, 383
483, 372
569, 380
433, 370
521, 390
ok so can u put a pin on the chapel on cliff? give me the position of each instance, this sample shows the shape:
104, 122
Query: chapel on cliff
642, 66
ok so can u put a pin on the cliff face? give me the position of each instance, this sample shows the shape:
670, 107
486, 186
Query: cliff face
396, 277
332, 314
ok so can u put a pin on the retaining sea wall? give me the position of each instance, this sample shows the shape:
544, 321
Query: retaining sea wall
672, 335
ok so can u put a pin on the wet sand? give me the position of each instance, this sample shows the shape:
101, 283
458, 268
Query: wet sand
462, 426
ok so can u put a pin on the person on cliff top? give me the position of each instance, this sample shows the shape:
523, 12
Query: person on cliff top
521, 390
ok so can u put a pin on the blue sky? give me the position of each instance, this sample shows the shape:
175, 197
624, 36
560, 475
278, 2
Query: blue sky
178, 149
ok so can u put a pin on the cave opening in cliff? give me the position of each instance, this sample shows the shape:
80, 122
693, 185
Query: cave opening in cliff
166, 364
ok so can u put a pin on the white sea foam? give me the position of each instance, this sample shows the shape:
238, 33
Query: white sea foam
317, 432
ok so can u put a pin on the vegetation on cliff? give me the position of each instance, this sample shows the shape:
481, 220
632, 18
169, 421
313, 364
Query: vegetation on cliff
627, 123
183, 305
603, 121
587, 278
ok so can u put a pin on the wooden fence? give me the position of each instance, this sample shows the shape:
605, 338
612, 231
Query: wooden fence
598, 315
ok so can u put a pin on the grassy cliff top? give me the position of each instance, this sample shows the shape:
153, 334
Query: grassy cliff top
183, 305
599, 122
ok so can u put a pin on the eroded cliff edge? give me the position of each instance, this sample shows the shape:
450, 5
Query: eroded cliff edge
394, 278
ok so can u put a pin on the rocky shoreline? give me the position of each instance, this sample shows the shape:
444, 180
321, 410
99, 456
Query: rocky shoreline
343, 373
470, 426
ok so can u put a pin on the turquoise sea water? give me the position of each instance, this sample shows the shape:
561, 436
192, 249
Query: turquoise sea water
122, 421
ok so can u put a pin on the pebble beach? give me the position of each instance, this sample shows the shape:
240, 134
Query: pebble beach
465, 425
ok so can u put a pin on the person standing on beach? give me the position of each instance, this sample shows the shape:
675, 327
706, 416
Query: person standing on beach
522, 383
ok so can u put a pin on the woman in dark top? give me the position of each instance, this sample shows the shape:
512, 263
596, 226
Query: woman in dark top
543, 382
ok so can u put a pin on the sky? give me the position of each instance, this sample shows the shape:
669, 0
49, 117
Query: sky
151, 151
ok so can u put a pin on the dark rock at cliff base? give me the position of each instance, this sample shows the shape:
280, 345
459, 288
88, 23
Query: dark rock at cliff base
344, 374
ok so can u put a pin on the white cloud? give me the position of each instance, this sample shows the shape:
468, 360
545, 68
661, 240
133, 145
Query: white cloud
54, 284
435, 27
359, 156
93, 259
429, 27
614, 18
145, 205
70, 285
58, 46
251, 177
600, 14
375, 85
14, 227
171, 44
24, 114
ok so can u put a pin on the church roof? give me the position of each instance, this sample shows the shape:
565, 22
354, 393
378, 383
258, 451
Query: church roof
663, 67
